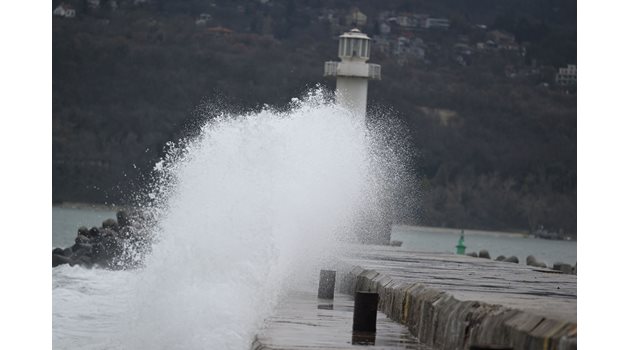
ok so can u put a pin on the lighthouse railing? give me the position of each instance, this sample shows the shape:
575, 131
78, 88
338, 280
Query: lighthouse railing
374, 71
330, 69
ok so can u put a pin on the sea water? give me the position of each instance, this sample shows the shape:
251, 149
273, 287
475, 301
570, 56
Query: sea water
246, 210
67, 220
431, 239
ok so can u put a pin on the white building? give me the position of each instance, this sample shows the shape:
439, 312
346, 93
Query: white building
353, 72
407, 49
567, 76
437, 23
64, 10
94, 4
385, 28
203, 20
407, 21
356, 17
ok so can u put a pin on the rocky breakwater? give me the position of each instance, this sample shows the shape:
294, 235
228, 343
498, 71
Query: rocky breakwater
530, 261
117, 244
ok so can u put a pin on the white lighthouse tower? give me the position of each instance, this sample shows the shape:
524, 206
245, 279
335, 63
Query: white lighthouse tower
353, 71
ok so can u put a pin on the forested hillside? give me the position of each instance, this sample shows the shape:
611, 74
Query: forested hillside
494, 134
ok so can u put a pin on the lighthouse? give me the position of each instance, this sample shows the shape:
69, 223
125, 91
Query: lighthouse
353, 72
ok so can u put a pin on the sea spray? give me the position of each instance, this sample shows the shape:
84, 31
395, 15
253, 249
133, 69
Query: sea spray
249, 208
254, 204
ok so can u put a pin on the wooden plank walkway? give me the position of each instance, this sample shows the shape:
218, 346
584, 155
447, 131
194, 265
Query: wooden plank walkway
439, 301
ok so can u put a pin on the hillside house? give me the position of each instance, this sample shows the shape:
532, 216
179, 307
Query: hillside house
203, 20
384, 28
356, 18
437, 23
64, 10
502, 39
462, 49
407, 21
409, 48
567, 75
381, 44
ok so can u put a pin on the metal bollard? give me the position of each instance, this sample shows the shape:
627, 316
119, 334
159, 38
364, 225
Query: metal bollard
326, 284
365, 307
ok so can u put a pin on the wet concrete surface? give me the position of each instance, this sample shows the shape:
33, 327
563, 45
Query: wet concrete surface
539, 291
302, 321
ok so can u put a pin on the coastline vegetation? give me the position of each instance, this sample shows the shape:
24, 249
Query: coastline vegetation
495, 138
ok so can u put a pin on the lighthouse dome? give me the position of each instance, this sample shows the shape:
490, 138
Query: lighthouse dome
354, 45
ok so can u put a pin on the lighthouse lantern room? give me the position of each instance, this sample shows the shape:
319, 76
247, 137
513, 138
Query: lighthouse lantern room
353, 72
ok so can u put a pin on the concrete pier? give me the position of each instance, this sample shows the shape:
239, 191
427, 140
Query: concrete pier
304, 322
451, 302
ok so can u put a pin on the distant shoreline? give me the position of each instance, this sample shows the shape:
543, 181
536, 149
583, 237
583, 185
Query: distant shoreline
447, 230
81, 205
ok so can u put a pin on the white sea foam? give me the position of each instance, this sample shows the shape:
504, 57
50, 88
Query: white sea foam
252, 201
251, 207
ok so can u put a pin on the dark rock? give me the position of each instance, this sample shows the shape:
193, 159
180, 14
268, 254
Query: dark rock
83, 231
107, 232
123, 218
67, 252
107, 249
500, 258
565, 268
81, 239
59, 260
94, 232
512, 259
395, 243
531, 260
58, 251
484, 254
473, 254
126, 232
81, 249
113, 246
117, 244
140, 219
110, 224
99, 252
84, 261
541, 264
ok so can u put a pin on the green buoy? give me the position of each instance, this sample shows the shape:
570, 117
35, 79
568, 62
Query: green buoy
461, 248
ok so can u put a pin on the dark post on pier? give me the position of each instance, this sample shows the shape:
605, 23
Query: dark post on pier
326, 284
365, 308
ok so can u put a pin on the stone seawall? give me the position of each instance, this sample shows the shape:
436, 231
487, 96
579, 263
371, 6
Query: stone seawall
442, 322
